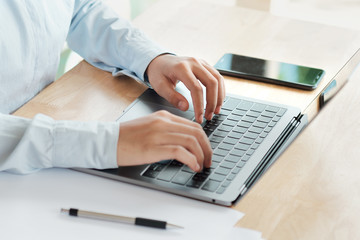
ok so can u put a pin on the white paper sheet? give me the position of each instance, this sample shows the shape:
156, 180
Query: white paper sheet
30, 209
243, 233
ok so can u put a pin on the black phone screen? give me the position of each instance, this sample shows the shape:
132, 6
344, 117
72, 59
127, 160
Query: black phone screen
270, 71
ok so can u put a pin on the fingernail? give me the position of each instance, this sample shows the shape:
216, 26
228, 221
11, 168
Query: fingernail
182, 105
218, 109
201, 118
198, 167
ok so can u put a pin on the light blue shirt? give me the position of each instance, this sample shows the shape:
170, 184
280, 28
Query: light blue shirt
32, 35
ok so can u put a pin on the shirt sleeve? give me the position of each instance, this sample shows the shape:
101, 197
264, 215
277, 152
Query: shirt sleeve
109, 42
28, 145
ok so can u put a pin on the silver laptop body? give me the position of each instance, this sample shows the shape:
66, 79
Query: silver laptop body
220, 185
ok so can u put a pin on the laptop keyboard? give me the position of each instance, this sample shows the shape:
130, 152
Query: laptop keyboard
234, 135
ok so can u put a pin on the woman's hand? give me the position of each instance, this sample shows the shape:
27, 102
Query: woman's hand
162, 136
166, 70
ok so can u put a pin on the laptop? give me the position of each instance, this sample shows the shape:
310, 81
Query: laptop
247, 136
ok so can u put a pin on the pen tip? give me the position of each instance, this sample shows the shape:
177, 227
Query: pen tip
174, 226
63, 210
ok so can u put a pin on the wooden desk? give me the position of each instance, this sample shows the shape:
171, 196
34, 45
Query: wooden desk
285, 203
312, 190
207, 31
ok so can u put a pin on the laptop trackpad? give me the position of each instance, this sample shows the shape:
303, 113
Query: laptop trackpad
144, 108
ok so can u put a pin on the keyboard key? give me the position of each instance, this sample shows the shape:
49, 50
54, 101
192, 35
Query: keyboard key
211, 185
263, 135
258, 107
226, 183
226, 164
200, 176
272, 109
215, 139
218, 177
220, 152
230, 140
264, 119
259, 140
225, 111
151, 173
245, 105
208, 132
276, 118
217, 158
221, 190
240, 164
245, 158
250, 152
272, 124
222, 171
230, 123
242, 146
234, 134
225, 128
168, 173
267, 129
214, 165
187, 169
218, 133
255, 129
240, 129
253, 114
251, 135
213, 145
268, 114
236, 170
259, 124
231, 176
281, 112
231, 103
226, 146
217, 118
245, 125
234, 117
194, 184
157, 166
182, 178
255, 146
239, 112
237, 152
247, 141
232, 158
248, 119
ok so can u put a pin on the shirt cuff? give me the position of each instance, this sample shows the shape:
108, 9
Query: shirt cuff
85, 144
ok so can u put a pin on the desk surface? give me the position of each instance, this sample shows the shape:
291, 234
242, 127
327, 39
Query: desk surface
305, 194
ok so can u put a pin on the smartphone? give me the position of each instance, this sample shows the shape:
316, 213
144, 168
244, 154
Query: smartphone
268, 71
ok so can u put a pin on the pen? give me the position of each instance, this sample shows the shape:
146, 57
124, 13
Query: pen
122, 219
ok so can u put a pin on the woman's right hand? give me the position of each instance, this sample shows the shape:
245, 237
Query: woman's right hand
162, 136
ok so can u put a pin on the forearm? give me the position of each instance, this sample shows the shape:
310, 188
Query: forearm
109, 42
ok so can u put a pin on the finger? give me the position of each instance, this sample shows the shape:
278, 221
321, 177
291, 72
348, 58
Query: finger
167, 91
221, 86
189, 142
179, 153
196, 91
212, 85
177, 124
